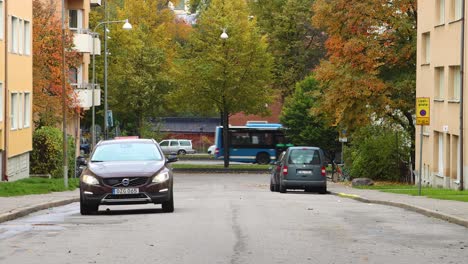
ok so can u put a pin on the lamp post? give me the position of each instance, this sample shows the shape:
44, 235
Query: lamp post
126, 26
224, 113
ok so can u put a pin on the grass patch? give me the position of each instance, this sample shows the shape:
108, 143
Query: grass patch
221, 166
196, 156
436, 193
36, 186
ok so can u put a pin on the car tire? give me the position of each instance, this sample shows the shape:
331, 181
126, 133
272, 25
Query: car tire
263, 158
181, 152
272, 186
168, 206
276, 187
323, 190
282, 188
87, 208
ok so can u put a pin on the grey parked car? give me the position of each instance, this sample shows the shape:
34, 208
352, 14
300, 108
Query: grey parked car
300, 168
179, 146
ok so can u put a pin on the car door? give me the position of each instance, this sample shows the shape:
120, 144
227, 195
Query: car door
174, 146
164, 146
304, 164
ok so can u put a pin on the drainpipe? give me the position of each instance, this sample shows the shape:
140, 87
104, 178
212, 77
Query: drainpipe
462, 66
5, 88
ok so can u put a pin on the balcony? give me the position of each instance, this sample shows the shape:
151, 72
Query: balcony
83, 41
95, 3
84, 92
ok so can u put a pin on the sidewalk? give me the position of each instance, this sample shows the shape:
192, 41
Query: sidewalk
18, 206
451, 211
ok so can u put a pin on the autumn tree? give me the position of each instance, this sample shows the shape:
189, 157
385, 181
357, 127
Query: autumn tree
47, 65
369, 73
230, 74
140, 60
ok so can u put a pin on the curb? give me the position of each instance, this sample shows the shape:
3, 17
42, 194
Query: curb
28, 210
423, 211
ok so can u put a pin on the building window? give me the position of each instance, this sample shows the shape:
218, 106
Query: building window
27, 38
27, 110
455, 158
440, 12
439, 83
456, 10
439, 153
75, 19
20, 36
73, 75
1, 19
14, 110
454, 83
14, 34
426, 48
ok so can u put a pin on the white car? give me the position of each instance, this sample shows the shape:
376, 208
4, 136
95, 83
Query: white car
179, 146
211, 149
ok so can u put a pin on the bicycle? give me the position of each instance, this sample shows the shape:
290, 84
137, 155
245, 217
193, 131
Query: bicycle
343, 173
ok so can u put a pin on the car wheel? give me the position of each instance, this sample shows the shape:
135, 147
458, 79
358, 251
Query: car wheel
168, 207
181, 152
276, 187
282, 188
272, 186
323, 190
86, 208
263, 158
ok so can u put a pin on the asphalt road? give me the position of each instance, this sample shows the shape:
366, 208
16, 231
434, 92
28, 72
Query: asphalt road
234, 219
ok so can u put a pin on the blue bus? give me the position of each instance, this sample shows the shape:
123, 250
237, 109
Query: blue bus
254, 142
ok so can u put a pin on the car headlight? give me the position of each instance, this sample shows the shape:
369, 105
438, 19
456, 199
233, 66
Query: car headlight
91, 180
161, 177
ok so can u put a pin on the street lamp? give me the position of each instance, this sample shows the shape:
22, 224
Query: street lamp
126, 26
224, 115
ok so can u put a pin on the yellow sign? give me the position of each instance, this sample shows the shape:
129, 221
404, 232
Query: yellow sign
422, 111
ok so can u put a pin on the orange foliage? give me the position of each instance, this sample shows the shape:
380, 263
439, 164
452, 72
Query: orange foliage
47, 64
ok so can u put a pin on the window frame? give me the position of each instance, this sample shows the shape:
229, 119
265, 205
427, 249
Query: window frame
14, 35
439, 91
27, 110
27, 37
440, 12
2, 21
14, 111
426, 47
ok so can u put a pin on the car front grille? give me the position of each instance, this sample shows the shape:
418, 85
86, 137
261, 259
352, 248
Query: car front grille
133, 181
126, 196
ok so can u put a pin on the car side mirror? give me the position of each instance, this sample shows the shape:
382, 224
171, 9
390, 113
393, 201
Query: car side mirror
172, 158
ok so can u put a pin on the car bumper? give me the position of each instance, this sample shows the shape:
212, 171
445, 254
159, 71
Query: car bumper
304, 184
152, 193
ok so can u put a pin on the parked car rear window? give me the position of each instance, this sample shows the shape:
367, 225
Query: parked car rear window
304, 156
126, 152
185, 143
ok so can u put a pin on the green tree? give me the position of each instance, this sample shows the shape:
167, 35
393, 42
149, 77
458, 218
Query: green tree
306, 127
140, 60
377, 152
295, 44
230, 75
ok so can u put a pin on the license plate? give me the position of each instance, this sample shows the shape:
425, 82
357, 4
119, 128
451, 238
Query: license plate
304, 172
125, 191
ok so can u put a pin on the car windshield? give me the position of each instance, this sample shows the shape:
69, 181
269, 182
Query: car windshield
126, 151
304, 156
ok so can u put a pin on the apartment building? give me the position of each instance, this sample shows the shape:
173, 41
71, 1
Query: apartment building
15, 88
77, 15
439, 78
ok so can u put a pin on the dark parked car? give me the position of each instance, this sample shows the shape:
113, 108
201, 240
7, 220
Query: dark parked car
300, 168
127, 171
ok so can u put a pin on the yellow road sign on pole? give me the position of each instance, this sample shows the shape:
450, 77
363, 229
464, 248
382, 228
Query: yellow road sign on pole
422, 111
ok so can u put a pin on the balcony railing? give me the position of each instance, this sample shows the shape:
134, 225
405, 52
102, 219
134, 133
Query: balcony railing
83, 41
84, 92
95, 3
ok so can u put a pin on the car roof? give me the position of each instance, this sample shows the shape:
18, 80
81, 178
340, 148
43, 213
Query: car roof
133, 140
303, 147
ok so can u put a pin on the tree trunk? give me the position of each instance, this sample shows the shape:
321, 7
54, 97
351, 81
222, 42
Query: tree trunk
226, 146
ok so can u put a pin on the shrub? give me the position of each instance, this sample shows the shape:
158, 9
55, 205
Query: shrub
377, 153
46, 157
